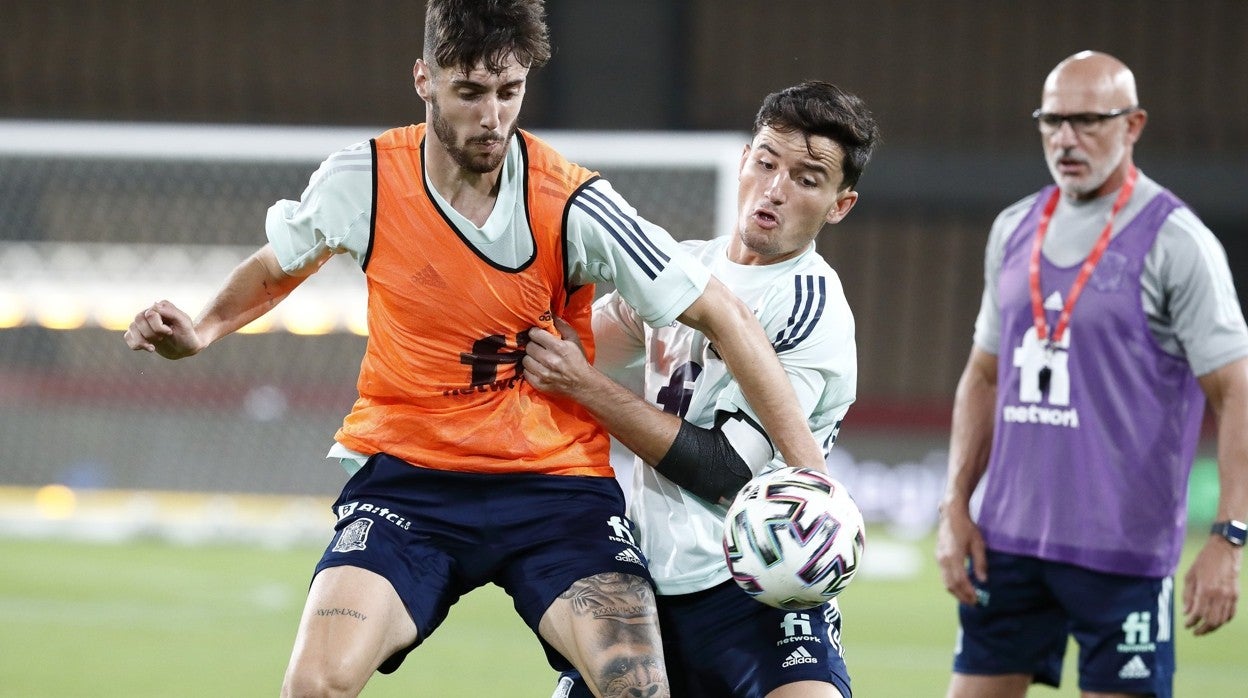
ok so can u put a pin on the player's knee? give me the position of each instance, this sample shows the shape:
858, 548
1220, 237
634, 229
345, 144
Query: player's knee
325, 679
631, 667
632, 677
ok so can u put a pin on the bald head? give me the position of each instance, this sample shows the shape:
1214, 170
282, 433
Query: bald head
1091, 123
1091, 81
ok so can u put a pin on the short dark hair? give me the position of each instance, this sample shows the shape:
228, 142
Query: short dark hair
818, 108
465, 33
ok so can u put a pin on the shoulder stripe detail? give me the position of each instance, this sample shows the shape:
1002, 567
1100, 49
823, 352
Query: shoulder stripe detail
331, 171
809, 297
624, 229
372, 217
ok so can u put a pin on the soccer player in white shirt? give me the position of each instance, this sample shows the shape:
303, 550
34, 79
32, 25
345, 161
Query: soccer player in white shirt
697, 440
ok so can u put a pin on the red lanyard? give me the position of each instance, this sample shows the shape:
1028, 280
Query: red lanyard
1033, 268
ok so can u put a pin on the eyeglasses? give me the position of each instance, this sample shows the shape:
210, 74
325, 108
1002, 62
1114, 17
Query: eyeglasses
1084, 123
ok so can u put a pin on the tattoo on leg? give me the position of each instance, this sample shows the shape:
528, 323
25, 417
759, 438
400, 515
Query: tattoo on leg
612, 595
625, 645
633, 676
348, 612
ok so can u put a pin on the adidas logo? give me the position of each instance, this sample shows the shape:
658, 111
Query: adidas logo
1134, 669
801, 656
1054, 301
627, 555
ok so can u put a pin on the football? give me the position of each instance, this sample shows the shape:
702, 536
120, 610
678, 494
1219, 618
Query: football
793, 538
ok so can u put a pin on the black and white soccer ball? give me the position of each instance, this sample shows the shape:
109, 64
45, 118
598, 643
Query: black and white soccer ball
793, 538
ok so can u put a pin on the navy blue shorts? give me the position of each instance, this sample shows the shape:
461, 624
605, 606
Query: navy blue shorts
436, 535
1124, 626
721, 642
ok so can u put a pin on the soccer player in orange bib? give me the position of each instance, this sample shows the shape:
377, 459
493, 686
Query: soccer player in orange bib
470, 232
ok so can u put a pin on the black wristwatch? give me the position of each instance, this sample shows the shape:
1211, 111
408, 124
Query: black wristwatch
1235, 532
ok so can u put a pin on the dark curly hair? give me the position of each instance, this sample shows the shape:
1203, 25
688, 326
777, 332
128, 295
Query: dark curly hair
462, 34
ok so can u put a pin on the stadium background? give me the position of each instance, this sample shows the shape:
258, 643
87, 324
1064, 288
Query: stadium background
952, 84
116, 443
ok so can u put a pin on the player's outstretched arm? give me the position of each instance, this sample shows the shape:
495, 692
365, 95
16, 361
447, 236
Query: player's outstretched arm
743, 345
957, 536
255, 286
1211, 585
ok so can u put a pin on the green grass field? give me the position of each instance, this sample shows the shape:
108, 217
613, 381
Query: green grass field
154, 619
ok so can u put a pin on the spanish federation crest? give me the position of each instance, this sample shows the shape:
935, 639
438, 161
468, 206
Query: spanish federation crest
354, 536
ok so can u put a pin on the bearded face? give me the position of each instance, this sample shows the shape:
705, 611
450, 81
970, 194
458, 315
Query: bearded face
481, 151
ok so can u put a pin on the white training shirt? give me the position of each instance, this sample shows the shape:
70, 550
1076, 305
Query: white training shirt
803, 310
606, 240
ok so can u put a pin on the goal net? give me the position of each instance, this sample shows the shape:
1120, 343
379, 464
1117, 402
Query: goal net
100, 220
